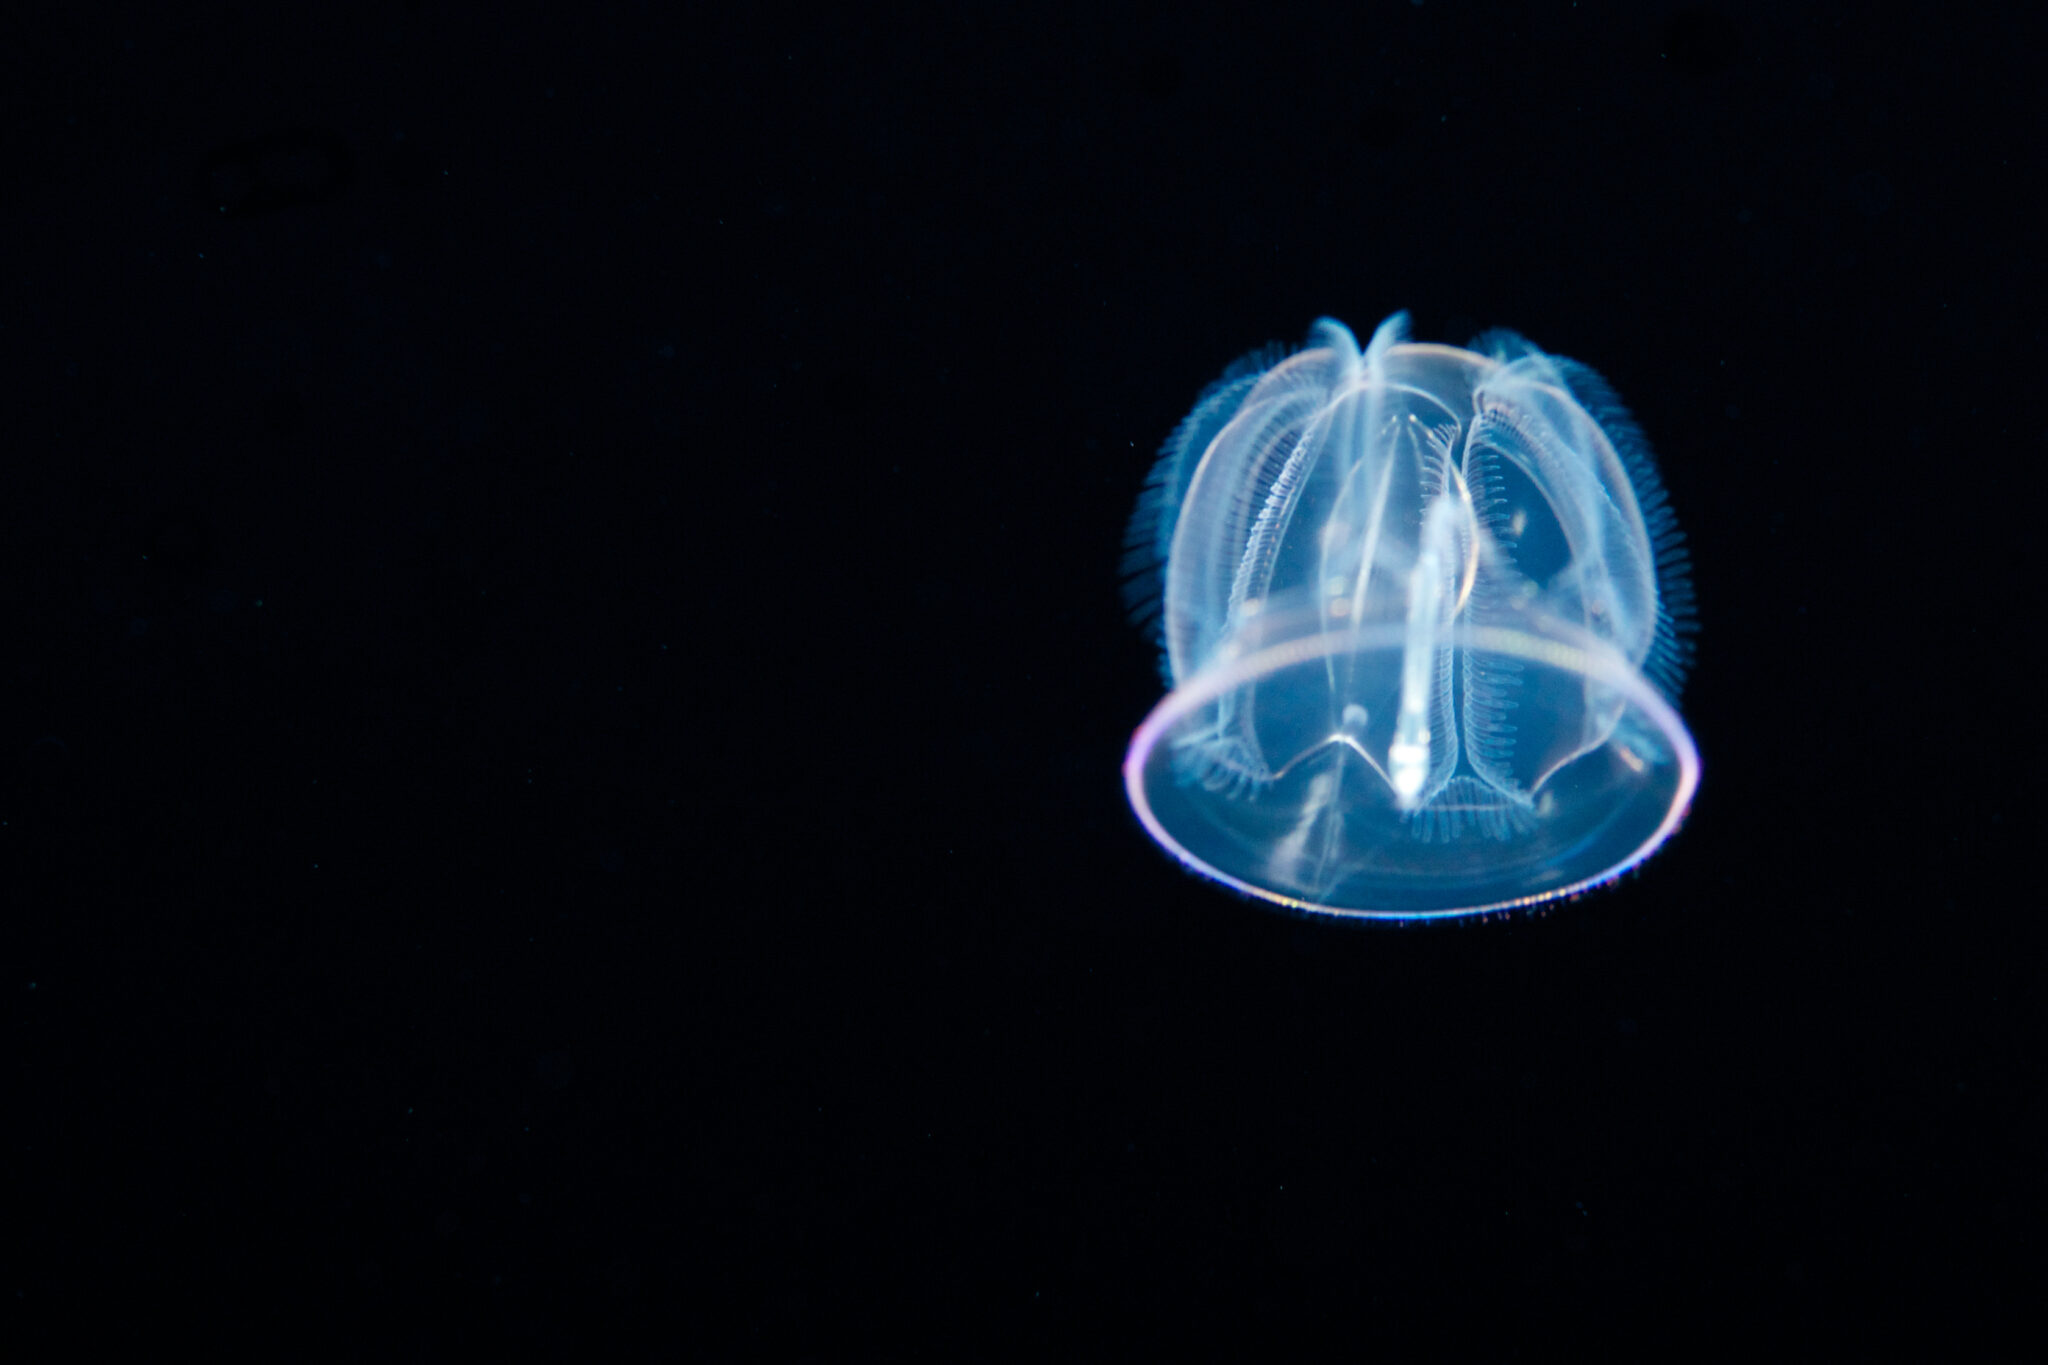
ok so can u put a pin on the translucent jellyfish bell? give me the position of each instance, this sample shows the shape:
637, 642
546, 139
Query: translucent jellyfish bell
1424, 614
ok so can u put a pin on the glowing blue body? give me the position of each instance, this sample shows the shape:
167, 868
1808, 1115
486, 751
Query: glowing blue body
1424, 614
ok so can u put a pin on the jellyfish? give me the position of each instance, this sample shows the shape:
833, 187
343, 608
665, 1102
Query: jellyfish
1423, 614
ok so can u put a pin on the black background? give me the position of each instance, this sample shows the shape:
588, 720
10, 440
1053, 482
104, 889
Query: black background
565, 681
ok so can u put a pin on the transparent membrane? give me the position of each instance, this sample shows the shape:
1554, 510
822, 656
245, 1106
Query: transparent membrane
1422, 609
1335, 824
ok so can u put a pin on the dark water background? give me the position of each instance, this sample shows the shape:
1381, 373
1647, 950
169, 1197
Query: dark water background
564, 677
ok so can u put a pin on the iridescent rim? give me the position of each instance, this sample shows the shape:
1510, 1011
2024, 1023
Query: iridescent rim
1582, 655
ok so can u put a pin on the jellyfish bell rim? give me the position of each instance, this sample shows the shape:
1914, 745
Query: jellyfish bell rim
1558, 645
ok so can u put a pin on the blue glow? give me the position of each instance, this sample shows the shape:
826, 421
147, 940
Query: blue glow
1424, 614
